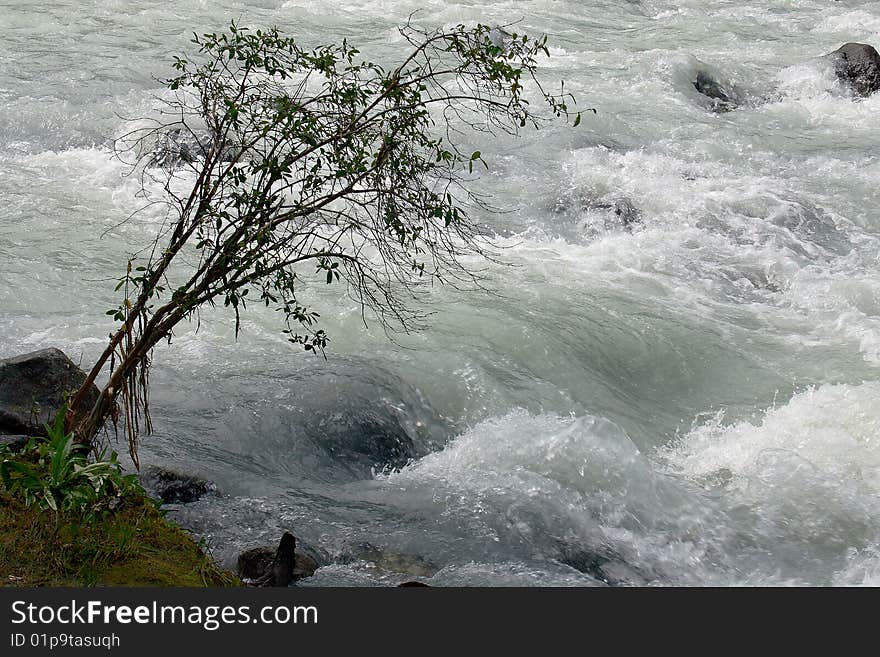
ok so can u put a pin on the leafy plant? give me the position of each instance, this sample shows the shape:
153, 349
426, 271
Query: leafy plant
57, 473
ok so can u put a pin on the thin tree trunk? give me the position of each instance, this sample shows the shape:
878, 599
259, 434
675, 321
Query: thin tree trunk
92, 420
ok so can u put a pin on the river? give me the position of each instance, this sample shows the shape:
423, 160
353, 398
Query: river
690, 399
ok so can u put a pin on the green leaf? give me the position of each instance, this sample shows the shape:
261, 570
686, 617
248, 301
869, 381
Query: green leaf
50, 499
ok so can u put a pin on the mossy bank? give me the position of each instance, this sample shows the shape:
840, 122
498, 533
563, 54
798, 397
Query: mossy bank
132, 546
72, 518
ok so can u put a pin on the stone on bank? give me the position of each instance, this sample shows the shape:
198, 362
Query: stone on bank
33, 388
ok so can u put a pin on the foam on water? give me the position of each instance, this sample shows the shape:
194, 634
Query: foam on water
808, 472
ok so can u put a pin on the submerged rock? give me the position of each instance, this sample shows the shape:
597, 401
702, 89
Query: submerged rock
858, 66
338, 423
34, 386
723, 97
173, 487
178, 147
392, 562
359, 434
264, 566
374, 437
602, 565
810, 226
174, 149
500, 37
627, 212
615, 214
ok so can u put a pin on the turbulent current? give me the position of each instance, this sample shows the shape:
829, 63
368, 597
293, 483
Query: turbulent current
674, 378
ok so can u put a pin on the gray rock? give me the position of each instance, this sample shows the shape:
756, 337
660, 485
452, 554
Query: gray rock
387, 561
13, 442
178, 147
858, 66
174, 487
603, 565
265, 566
723, 97
619, 213
810, 225
342, 422
303, 566
375, 437
358, 435
34, 386
627, 212
256, 562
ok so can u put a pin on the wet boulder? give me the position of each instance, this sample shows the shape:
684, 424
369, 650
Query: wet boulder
33, 388
611, 213
602, 565
373, 438
857, 65
339, 421
388, 561
357, 421
179, 147
255, 562
265, 566
174, 487
304, 566
806, 226
722, 96
174, 149
627, 212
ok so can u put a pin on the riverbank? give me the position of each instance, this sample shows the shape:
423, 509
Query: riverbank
133, 545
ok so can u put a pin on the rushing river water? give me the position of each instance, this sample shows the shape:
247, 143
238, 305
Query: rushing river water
690, 399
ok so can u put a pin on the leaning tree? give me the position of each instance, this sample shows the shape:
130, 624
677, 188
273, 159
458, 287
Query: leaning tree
276, 164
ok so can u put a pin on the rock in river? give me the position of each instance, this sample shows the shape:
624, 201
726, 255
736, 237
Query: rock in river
265, 566
722, 96
858, 66
173, 487
34, 386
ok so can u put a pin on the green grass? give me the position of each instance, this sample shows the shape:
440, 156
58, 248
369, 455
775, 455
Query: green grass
131, 546
68, 518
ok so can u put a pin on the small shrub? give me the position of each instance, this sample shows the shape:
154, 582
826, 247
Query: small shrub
56, 473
